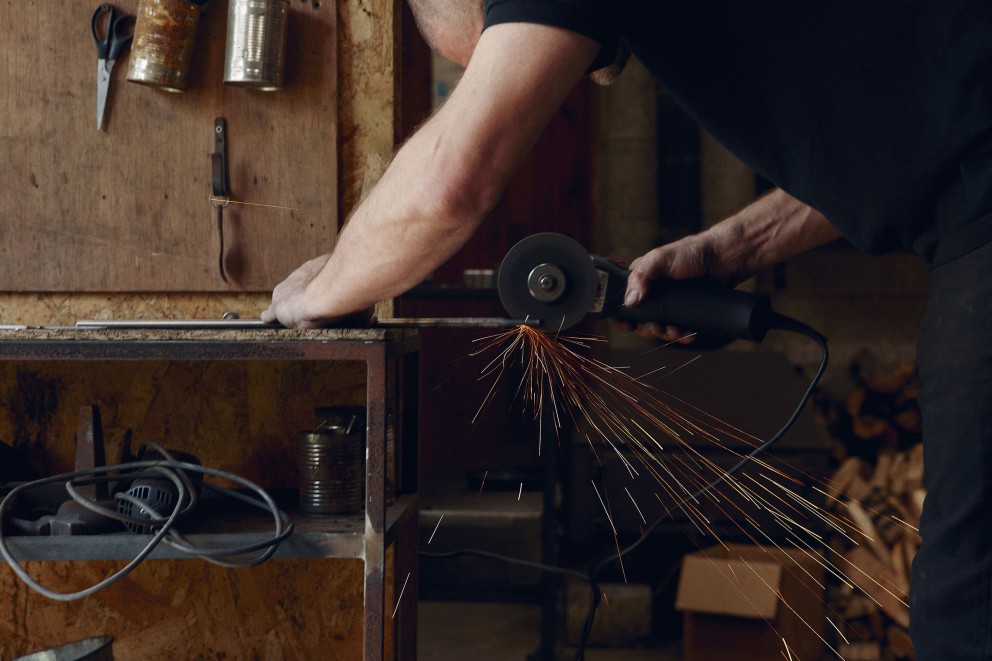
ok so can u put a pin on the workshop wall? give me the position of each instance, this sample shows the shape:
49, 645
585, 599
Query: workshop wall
241, 417
128, 208
366, 129
237, 416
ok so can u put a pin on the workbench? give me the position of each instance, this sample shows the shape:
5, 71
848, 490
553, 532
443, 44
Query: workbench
362, 536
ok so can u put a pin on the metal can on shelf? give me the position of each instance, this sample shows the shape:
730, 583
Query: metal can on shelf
331, 473
357, 415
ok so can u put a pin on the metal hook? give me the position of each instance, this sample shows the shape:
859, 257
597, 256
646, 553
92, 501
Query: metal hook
220, 196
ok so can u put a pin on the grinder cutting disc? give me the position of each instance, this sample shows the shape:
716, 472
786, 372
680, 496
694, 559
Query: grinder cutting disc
550, 278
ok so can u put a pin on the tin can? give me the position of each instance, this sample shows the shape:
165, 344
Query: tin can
331, 475
162, 48
356, 416
256, 43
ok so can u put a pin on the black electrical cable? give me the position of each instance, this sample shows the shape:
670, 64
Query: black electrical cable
551, 569
163, 525
776, 322
779, 322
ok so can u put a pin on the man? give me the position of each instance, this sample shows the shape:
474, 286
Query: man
876, 115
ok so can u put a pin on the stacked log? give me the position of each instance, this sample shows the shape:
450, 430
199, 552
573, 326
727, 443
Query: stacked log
878, 492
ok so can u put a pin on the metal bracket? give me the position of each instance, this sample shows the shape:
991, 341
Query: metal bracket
220, 195
218, 160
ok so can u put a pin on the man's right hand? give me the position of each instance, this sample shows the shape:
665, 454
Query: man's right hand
695, 256
773, 228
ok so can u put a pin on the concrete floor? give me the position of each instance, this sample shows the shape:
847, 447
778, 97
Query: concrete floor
455, 631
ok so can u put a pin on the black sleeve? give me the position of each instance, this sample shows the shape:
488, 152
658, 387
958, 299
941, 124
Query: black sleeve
590, 18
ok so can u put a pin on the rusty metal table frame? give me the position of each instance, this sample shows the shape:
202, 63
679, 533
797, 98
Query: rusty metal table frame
374, 348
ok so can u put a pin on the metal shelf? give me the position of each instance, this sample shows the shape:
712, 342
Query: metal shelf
71, 343
330, 537
364, 536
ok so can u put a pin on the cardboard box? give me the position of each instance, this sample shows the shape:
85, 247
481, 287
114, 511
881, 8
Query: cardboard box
741, 602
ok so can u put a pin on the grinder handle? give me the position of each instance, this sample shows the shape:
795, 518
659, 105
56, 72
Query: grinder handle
697, 305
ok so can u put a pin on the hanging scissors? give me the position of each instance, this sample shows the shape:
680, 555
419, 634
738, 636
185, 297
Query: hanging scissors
112, 34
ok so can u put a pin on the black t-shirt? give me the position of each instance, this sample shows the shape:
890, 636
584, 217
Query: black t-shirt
877, 113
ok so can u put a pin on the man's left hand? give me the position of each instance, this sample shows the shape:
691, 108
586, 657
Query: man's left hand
289, 298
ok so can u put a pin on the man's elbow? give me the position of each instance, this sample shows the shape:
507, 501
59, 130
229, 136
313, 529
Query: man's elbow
460, 201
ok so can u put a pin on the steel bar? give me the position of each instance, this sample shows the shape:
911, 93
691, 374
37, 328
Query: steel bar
250, 324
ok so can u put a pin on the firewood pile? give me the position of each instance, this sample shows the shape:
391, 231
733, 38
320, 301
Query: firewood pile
877, 492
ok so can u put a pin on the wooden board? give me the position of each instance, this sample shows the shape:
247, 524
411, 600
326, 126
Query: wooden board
188, 609
239, 416
128, 209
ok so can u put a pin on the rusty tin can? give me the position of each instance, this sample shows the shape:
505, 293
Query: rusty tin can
162, 49
331, 471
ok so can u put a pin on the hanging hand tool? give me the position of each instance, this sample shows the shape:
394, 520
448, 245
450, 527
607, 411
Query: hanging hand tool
219, 194
112, 34
552, 278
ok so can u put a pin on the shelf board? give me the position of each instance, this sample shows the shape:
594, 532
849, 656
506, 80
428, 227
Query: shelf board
86, 344
313, 537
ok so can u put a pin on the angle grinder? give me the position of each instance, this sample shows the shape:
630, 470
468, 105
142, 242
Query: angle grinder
551, 279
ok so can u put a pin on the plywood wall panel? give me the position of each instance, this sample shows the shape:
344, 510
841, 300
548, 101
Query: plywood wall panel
128, 209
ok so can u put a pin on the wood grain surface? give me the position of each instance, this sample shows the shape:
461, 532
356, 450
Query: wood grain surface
188, 609
127, 209
239, 416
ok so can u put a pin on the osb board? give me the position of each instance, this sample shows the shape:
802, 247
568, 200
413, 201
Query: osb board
127, 209
238, 416
65, 309
368, 100
189, 609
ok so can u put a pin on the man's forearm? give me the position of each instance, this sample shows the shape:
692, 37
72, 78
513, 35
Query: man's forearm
444, 181
770, 230
395, 239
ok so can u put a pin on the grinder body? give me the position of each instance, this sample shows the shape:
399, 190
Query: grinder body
550, 278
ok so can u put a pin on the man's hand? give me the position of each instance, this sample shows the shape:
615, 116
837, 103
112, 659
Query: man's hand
694, 256
770, 230
288, 306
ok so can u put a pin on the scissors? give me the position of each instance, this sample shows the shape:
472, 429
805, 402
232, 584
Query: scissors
117, 32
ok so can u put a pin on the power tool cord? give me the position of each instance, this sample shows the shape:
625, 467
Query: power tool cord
776, 322
164, 525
